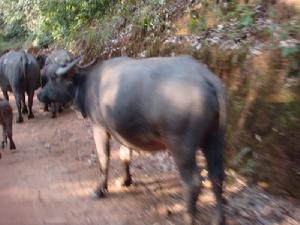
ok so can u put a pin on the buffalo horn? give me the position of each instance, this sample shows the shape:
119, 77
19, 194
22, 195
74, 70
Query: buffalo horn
63, 70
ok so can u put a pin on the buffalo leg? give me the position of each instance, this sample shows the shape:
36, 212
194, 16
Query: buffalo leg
54, 109
9, 135
30, 103
24, 106
5, 94
103, 150
213, 151
19, 105
46, 107
190, 176
60, 108
125, 155
4, 142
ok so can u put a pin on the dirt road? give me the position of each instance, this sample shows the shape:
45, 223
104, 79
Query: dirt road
48, 180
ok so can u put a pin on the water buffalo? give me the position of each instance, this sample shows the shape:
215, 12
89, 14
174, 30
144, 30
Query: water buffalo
41, 59
151, 104
6, 119
52, 62
20, 73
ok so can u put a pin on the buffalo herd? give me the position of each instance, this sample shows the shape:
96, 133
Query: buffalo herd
151, 104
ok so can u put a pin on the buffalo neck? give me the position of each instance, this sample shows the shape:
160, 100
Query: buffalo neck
80, 83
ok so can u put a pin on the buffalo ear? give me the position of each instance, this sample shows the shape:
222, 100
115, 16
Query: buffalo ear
63, 71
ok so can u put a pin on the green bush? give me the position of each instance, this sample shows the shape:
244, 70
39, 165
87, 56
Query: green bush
242, 14
44, 21
15, 30
66, 19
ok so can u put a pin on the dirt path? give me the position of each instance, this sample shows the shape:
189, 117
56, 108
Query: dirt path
48, 180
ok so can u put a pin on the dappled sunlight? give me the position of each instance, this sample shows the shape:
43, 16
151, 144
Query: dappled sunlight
182, 25
285, 95
176, 101
56, 192
290, 3
234, 182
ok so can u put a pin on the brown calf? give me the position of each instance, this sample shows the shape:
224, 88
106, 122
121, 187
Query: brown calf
6, 117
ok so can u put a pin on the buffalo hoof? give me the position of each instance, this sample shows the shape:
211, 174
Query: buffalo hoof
224, 200
12, 146
98, 193
60, 110
30, 116
124, 182
3, 144
20, 120
24, 110
53, 115
127, 183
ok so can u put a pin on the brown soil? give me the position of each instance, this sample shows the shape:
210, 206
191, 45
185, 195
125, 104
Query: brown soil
49, 177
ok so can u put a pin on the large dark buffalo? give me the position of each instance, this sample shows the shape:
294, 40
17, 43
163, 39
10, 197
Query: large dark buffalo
151, 104
20, 73
52, 62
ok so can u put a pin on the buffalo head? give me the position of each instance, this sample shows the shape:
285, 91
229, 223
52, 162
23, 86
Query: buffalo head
60, 86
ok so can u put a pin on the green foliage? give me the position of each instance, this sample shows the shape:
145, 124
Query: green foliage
66, 19
241, 155
144, 20
197, 25
287, 30
244, 161
44, 21
193, 25
146, 17
249, 167
13, 17
246, 18
293, 50
47, 21
242, 14
8, 44
43, 39
142, 16
14, 30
